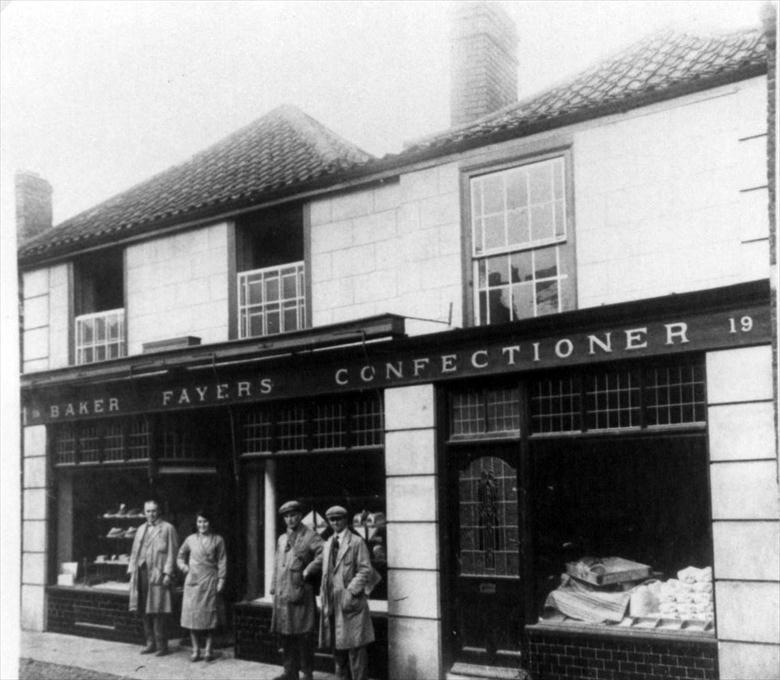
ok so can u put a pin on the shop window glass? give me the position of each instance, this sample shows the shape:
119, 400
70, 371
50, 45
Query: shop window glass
113, 442
257, 426
89, 444
329, 425
476, 413
612, 400
355, 481
291, 424
317, 425
675, 394
657, 395
188, 437
64, 445
367, 421
138, 439
601, 535
555, 405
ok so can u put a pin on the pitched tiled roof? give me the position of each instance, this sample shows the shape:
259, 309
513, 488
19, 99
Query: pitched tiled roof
283, 150
286, 151
662, 65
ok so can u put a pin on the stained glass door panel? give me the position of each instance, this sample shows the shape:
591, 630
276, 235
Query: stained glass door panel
487, 546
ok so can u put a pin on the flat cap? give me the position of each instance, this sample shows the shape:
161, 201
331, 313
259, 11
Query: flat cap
290, 506
336, 511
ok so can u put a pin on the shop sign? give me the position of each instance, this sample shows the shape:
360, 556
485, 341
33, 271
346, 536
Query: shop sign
372, 367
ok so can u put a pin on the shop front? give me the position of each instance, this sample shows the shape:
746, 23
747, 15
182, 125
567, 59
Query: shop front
541, 495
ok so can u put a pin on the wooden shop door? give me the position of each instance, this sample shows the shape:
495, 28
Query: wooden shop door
485, 543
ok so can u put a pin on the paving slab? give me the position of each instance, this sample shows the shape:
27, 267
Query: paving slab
124, 660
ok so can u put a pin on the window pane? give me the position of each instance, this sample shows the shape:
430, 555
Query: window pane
499, 305
546, 297
498, 271
483, 310
560, 218
290, 317
541, 222
255, 291
518, 226
495, 237
100, 353
256, 324
476, 198
546, 263
523, 301
87, 355
481, 274
478, 235
272, 321
493, 193
86, 332
540, 179
272, 289
521, 266
516, 188
558, 178
289, 286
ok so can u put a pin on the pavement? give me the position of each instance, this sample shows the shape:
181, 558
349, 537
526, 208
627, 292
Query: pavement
123, 660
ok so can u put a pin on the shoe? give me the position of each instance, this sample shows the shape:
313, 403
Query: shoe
115, 532
163, 651
122, 512
195, 656
130, 533
149, 649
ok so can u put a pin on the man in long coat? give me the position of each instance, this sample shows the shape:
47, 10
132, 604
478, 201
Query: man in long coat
151, 568
297, 562
345, 624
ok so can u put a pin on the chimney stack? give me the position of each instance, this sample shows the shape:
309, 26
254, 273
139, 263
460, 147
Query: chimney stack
483, 61
33, 205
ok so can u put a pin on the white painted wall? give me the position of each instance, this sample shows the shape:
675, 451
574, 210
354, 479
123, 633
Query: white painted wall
745, 511
673, 198
394, 248
178, 285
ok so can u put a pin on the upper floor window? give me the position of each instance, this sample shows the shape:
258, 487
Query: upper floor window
271, 273
522, 254
99, 323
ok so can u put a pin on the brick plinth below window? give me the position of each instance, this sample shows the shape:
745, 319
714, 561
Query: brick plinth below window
558, 656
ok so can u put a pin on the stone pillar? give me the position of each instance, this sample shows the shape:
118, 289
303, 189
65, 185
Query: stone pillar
745, 511
269, 547
35, 488
413, 587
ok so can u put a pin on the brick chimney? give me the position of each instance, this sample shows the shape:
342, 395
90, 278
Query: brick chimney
483, 61
33, 205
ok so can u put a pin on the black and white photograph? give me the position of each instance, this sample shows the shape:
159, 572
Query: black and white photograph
389, 340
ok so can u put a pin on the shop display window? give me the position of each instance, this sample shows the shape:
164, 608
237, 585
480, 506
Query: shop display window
99, 512
485, 412
355, 481
622, 532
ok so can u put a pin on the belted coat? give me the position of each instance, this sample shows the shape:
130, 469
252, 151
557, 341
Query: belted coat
343, 595
297, 561
160, 558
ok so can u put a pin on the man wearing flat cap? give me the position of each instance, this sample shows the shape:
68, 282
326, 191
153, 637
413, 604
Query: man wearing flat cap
345, 624
297, 563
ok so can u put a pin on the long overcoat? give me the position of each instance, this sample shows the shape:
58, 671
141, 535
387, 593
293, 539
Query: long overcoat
160, 560
298, 559
204, 556
343, 595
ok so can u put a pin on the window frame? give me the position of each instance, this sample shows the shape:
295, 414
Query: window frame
486, 163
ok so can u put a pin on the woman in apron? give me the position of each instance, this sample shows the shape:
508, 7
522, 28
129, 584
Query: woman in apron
202, 558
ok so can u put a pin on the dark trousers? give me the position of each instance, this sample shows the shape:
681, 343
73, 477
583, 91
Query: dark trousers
154, 624
298, 655
351, 663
